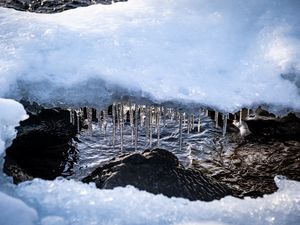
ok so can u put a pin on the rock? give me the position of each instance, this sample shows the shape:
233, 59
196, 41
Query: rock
42, 145
286, 128
157, 171
51, 6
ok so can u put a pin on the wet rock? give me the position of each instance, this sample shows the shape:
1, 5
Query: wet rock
51, 6
267, 126
157, 171
42, 146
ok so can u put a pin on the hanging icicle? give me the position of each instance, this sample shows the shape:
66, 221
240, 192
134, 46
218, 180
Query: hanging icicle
163, 110
225, 124
158, 115
180, 132
118, 115
199, 121
206, 112
217, 119
121, 117
188, 124
241, 115
89, 118
136, 128
150, 126
142, 115
131, 122
192, 122
114, 124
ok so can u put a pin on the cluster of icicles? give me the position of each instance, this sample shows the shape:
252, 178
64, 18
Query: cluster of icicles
150, 118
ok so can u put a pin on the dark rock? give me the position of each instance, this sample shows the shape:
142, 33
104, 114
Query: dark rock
42, 145
51, 6
157, 171
286, 128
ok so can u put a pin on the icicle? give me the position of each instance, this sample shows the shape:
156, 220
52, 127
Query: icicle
89, 118
99, 117
142, 115
176, 115
188, 124
217, 119
224, 124
199, 122
71, 116
118, 115
180, 132
158, 125
206, 112
241, 115
172, 114
77, 121
131, 122
121, 117
114, 124
248, 112
147, 122
192, 122
150, 127
183, 119
164, 115
136, 128
104, 122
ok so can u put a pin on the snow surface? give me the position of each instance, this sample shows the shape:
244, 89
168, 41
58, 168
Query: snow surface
224, 54
11, 112
14, 211
73, 203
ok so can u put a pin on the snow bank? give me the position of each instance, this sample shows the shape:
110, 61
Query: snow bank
11, 113
70, 202
222, 54
14, 211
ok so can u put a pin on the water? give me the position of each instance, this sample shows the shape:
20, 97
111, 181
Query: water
143, 127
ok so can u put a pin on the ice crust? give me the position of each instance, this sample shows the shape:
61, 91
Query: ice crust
11, 112
224, 54
73, 203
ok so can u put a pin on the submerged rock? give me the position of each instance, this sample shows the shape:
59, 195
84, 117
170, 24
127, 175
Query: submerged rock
42, 146
157, 171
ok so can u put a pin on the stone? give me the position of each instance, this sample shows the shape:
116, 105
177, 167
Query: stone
42, 146
157, 171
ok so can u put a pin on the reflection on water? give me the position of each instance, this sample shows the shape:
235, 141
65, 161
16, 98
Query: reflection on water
107, 138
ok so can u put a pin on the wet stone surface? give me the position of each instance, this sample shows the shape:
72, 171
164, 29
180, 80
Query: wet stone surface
157, 171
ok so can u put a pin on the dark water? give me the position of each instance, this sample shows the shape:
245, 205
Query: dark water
248, 166
99, 144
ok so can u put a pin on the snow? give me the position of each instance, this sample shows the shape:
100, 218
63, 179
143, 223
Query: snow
11, 112
15, 211
71, 202
224, 54
220, 54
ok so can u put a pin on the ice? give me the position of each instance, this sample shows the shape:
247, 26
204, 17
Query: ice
220, 54
11, 112
71, 202
14, 211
